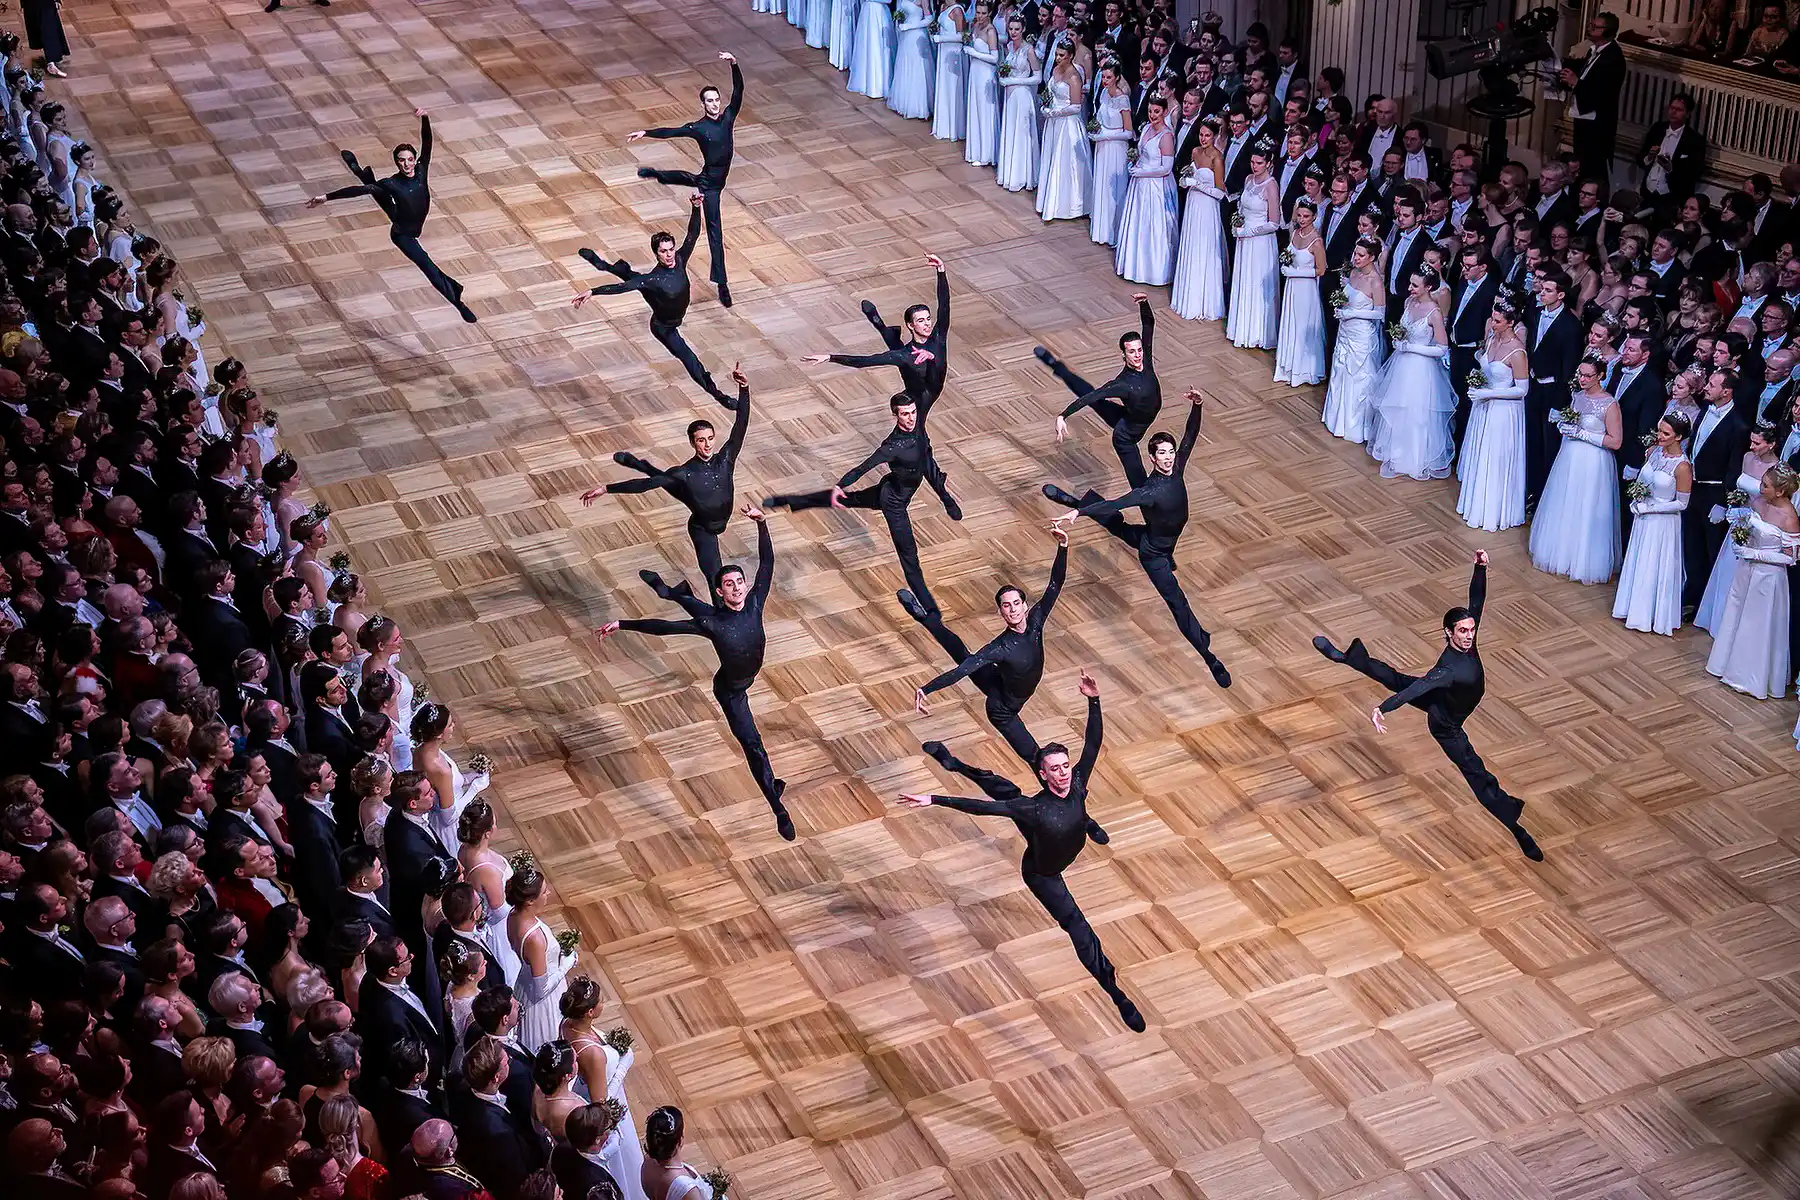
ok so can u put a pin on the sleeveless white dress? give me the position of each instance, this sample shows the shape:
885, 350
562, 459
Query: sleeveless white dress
1300, 344
1409, 433
1649, 596
1356, 362
1112, 173
1018, 123
842, 32
540, 997
1065, 165
1252, 320
872, 53
1750, 637
981, 117
623, 1153
444, 820
915, 73
1199, 290
688, 1186
1492, 466
1718, 584
1576, 529
949, 120
492, 933
1145, 249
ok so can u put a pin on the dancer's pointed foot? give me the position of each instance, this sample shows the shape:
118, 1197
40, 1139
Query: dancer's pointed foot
1323, 646
468, 314
656, 584
868, 310
784, 824
1056, 495
1220, 675
939, 753
1044, 356
1527, 844
725, 295
646, 173
952, 509
1097, 835
914, 609
1128, 1013
272, 6
626, 459
349, 156
592, 258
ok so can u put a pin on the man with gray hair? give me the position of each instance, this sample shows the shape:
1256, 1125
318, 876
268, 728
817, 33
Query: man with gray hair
111, 924
236, 997
440, 1178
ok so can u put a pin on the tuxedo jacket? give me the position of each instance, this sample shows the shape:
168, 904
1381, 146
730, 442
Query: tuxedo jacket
248, 1042
346, 906
398, 1115
576, 1175
317, 842
1716, 460
330, 735
54, 971
443, 935
283, 770
1401, 268
1342, 240
1597, 90
219, 633
385, 1019
1468, 326
1640, 408
498, 1148
1555, 355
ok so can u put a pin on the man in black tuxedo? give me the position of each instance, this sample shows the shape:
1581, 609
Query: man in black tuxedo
462, 921
1555, 203
403, 1103
1186, 120
236, 998
1553, 348
1673, 157
1407, 253
497, 1147
1123, 37
40, 952
1639, 390
328, 731
1215, 98
411, 845
217, 628
1337, 223
175, 1127
312, 829
1290, 169
1470, 305
1666, 271
1149, 82
266, 724
495, 1014
110, 927
361, 898
1596, 82
1377, 138
1776, 400
178, 462
188, 546
156, 1069
390, 1010
1720, 439
24, 723
576, 1160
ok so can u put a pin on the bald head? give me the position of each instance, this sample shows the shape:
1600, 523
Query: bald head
33, 1145
102, 914
432, 1143
121, 600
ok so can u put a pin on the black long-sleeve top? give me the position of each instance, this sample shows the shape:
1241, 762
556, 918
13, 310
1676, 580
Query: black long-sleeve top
924, 382
405, 199
1163, 498
1018, 658
1137, 391
713, 135
907, 454
1054, 827
704, 485
665, 289
736, 634
1450, 691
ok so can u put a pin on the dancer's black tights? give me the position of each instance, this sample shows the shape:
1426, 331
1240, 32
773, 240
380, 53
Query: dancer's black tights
892, 501
709, 209
1125, 434
408, 245
1005, 719
1160, 568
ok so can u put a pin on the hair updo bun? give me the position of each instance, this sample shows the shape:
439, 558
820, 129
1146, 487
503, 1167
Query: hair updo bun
581, 998
553, 1065
662, 1133
525, 886
476, 822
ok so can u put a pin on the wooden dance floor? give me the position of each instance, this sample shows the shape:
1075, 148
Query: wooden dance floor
1356, 987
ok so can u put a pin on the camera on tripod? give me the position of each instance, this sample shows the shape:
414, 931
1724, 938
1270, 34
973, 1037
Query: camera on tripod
1499, 58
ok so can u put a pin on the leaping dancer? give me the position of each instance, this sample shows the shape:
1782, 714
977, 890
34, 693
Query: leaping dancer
1055, 825
1449, 694
1163, 498
1128, 403
406, 198
712, 133
922, 362
1008, 668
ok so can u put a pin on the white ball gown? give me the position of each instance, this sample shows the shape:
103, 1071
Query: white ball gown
1718, 584
842, 32
1145, 250
818, 24
981, 121
1065, 163
765, 6
623, 1153
1112, 173
948, 121
1355, 364
1750, 637
1576, 529
1649, 596
796, 11
915, 72
540, 996
1409, 428
1492, 466
1300, 344
1199, 290
872, 51
1252, 321
1018, 122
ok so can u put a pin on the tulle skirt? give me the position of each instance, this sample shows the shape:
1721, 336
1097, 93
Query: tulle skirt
982, 119
1253, 321
1576, 529
1018, 139
915, 74
1300, 345
1112, 175
948, 122
1065, 170
1409, 429
1199, 291
1750, 640
1146, 246
1649, 597
1355, 364
1493, 466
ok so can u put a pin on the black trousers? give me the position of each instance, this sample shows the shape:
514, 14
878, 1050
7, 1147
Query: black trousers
734, 702
1462, 361
1700, 540
1594, 142
709, 211
1000, 714
1541, 439
706, 547
408, 244
1053, 894
1160, 567
893, 502
1125, 434
1454, 743
674, 343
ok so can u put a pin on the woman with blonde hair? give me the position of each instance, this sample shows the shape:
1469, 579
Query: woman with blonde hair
342, 1122
209, 1062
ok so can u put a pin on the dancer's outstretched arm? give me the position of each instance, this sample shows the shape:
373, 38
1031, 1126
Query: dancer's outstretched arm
1478, 585
1090, 743
1191, 434
1040, 612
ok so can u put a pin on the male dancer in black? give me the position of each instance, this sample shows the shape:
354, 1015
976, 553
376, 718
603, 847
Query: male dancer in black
405, 197
664, 288
907, 453
734, 626
712, 133
1055, 825
1007, 669
922, 362
1448, 693
1164, 500
1128, 403
703, 483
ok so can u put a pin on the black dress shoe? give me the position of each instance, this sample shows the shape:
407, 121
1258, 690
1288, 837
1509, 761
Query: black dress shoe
1128, 1013
724, 295
1527, 844
914, 609
1056, 495
1323, 646
1044, 356
272, 6
1220, 675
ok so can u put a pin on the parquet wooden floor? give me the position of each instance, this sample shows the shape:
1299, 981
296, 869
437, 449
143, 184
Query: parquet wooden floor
1356, 987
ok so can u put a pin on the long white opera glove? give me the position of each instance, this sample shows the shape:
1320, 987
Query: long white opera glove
1249, 231
977, 50
1578, 434
1784, 558
1031, 80
1215, 193
1653, 506
539, 987
1298, 272
1362, 314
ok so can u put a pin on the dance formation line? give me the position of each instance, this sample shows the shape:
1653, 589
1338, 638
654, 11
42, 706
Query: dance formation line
1054, 820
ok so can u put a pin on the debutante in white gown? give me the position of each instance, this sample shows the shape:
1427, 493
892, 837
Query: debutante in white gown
1145, 250
765, 6
1252, 319
1576, 529
915, 72
540, 996
1492, 466
1409, 432
1199, 290
1649, 596
1300, 345
796, 11
842, 32
1065, 163
981, 121
948, 121
1355, 364
1112, 173
872, 53
1750, 638
623, 1153
818, 24
1018, 122
1724, 569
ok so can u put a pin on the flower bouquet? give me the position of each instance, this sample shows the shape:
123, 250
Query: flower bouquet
212, 389
567, 940
620, 1039
1567, 415
612, 1115
899, 17
319, 511
1237, 220
1131, 154
421, 692
1093, 126
1737, 498
1186, 178
1637, 490
1044, 98
1475, 380
518, 860
339, 563
968, 37
1396, 331
1004, 71
719, 1180
196, 316
1339, 298
1740, 531
1647, 440
271, 418
480, 764
1286, 257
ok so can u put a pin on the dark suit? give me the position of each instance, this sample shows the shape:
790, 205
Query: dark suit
577, 1175
24, 741
329, 734
168, 1166
1686, 164
1467, 329
398, 1115
1641, 405
384, 1020
1666, 286
184, 553
54, 969
1716, 461
145, 907
1562, 210
409, 850
440, 942
1403, 261
249, 1042
317, 844
1553, 356
155, 1072
219, 633
347, 906
1601, 78
494, 1144
283, 765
